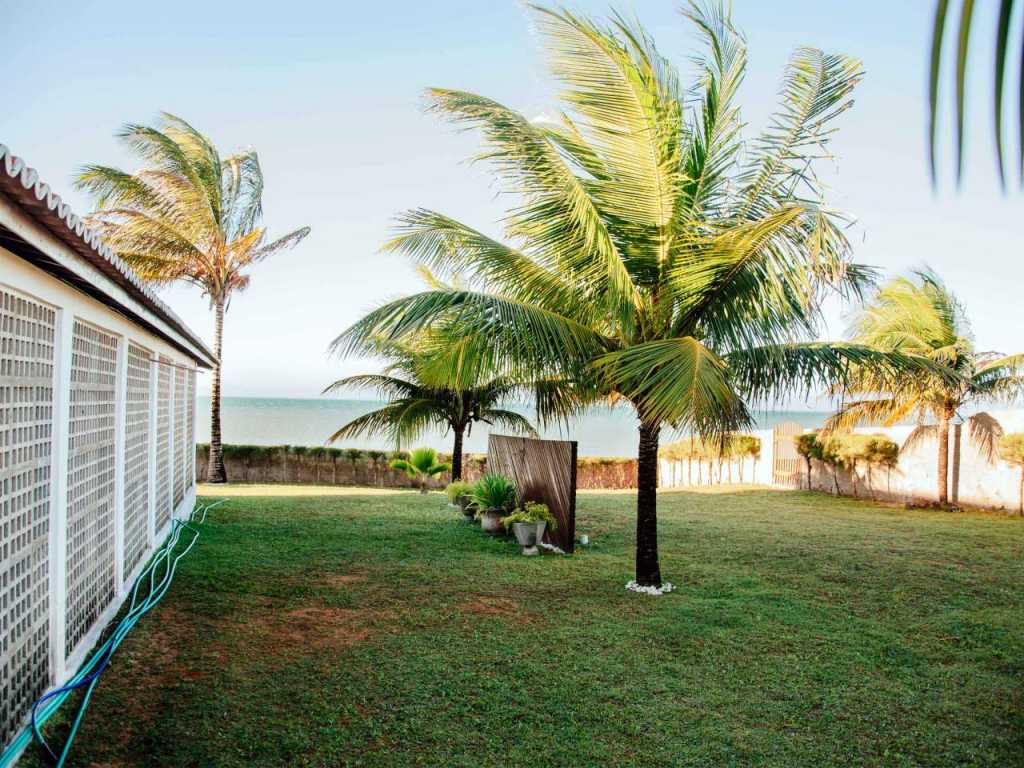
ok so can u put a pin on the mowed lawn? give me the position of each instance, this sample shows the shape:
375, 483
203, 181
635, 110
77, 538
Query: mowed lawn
361, 629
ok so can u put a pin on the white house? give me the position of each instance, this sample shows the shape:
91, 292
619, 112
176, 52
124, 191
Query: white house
97, 422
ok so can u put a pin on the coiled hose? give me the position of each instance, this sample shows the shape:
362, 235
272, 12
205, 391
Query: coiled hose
89, 674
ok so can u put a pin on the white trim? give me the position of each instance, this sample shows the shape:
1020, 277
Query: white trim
26, 228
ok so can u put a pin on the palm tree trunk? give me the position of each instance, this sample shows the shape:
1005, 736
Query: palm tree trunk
955, 473
943, 467
648, 572
1020, 497
215, 472
457, 452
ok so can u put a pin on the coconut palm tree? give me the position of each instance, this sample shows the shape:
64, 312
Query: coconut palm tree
415, 406
647, 259
1001, 56
188, 215
919, 315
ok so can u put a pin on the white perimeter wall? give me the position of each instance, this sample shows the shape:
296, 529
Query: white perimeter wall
983, 483
21, 279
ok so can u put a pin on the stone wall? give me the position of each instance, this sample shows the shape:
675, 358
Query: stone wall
318, 466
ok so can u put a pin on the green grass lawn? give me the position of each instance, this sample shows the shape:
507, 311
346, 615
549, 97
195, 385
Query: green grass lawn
380, 630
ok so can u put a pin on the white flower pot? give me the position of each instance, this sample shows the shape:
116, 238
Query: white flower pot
529, 534
490, 522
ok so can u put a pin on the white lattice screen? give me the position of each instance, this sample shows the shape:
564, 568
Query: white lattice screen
91, 480
180, 393
164, 371
136, 456
27, 331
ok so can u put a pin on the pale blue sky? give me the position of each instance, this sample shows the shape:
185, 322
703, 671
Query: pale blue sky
329, 93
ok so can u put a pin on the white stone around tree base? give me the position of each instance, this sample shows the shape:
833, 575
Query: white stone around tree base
664, 589
530, 551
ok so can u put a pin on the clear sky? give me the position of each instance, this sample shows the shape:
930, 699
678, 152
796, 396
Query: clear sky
329, 93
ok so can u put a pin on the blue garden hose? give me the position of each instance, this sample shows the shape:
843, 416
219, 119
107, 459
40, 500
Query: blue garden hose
89, 674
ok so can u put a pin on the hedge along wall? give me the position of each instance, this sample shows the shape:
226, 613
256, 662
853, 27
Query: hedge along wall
344, 466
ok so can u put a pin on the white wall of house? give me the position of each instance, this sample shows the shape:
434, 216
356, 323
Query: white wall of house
79, 470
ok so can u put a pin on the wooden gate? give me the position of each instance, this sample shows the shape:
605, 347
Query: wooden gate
786, 462
543, 471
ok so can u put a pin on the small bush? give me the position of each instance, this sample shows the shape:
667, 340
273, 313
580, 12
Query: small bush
494, 493
531, 512
458, 492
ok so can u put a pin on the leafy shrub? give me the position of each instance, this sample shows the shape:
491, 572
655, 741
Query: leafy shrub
459, 492
531, 512
494, 493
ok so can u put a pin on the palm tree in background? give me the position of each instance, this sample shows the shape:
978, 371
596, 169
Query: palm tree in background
922, 317
414, 406
648, 258
190, 216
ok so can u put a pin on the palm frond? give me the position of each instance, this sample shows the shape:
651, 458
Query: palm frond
678, 381
1001, 56
816, 89
559, 216
985, 432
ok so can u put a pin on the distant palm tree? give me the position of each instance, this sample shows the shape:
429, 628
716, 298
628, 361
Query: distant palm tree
189, 216
921, 316
1001, 56
421, 465
648, 260
414, 406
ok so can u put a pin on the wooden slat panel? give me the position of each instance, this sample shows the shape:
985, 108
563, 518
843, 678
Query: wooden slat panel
543, 471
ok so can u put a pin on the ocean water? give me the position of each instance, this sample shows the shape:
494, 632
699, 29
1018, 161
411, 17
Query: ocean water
603, 431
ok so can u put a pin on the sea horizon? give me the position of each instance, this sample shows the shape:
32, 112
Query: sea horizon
601, 431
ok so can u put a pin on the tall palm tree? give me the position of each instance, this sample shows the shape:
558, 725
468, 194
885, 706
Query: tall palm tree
921, 316
188, 215
415, 406
647, 258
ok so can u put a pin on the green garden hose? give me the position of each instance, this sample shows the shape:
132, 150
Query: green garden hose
89, 674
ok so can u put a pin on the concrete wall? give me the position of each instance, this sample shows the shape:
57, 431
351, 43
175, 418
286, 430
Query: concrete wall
983, 483
281, 466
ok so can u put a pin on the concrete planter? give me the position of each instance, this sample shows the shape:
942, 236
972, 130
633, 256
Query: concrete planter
529, 534
490, 522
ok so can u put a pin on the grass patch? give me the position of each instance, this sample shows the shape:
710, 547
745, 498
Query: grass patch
380, 630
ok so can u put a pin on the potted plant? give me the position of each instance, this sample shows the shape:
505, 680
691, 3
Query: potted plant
529, 523
459, 494
421, 465
493, 497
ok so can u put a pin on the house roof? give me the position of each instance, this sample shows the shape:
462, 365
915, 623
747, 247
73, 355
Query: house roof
22, 185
